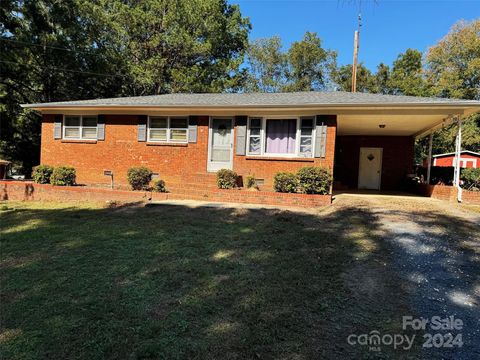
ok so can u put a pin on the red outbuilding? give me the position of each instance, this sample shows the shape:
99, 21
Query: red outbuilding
468, 159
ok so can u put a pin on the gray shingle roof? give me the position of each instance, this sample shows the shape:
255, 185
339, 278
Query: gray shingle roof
312, 98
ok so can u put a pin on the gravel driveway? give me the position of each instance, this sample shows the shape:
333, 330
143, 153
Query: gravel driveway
435, 248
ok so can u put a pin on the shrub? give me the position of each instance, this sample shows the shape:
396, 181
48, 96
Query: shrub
226, 179
139, 177
158, 185
314, 180
250, 182
41, 174
471, 179
63, 176
285, 182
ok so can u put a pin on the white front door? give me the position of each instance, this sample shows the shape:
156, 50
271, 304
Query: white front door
220, 144
370, 168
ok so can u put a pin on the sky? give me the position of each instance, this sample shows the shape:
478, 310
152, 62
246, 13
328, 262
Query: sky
389, 26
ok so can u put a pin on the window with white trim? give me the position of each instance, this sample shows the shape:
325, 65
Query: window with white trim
306, 137
255, 136
167, 129
288, 137
80, 127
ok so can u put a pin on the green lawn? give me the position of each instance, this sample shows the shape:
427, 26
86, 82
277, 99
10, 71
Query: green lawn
86, 282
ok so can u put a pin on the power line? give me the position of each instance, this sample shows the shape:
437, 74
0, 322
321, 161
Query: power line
63, 69
43, 46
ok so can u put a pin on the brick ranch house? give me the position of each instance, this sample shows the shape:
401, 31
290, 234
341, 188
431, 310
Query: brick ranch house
367, 140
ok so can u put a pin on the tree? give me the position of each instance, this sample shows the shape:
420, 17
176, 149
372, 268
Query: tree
267, 65
453, 70
180, 46
309, 64
47, 53
382, 79
407, 76
453, 64
342, 77
76, 49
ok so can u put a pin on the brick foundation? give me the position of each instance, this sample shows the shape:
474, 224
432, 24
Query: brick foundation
19, 190
449, 193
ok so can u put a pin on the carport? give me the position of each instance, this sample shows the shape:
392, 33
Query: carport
375, 145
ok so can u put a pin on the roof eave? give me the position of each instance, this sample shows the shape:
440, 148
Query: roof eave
468, 108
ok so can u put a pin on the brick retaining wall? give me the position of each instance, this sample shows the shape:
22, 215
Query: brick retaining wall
23, 190
449, 193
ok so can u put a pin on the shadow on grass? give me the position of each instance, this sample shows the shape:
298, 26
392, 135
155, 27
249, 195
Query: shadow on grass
175, 282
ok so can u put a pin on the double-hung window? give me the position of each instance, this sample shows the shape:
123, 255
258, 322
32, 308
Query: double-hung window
288, 137
255, 136
167, 129
306, 137
80, 127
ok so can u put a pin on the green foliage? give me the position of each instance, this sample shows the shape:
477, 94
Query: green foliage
471, 179
285, 182
139, 177
72, 50
453, 64
41, 174
226, 179
365, 79
181, 46
250, 182
158, 185
305, 66
382, 79
314, 180
267, 65
407, 76
308, 64
63, 176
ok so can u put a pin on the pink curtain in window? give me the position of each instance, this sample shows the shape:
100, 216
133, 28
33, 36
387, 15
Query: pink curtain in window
281, 136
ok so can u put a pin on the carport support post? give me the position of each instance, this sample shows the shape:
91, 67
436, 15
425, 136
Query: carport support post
429, 160
458, 149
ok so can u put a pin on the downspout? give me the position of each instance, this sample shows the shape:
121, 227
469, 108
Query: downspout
458, 149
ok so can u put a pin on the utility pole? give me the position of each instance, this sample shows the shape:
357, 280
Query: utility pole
356, 41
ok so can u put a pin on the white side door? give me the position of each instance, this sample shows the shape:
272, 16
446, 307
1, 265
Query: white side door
370, 168
220, 144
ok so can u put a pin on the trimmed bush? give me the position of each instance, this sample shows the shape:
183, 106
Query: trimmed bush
226, 179
471, 179
158, 185
139, 177
285, 182
251, 183
314, 180
63, 176
41, 174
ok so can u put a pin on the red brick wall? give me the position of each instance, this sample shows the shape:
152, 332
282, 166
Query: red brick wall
266, 168
441, 192
398, 154
120, 150
471, 197
18, 190
449, 193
